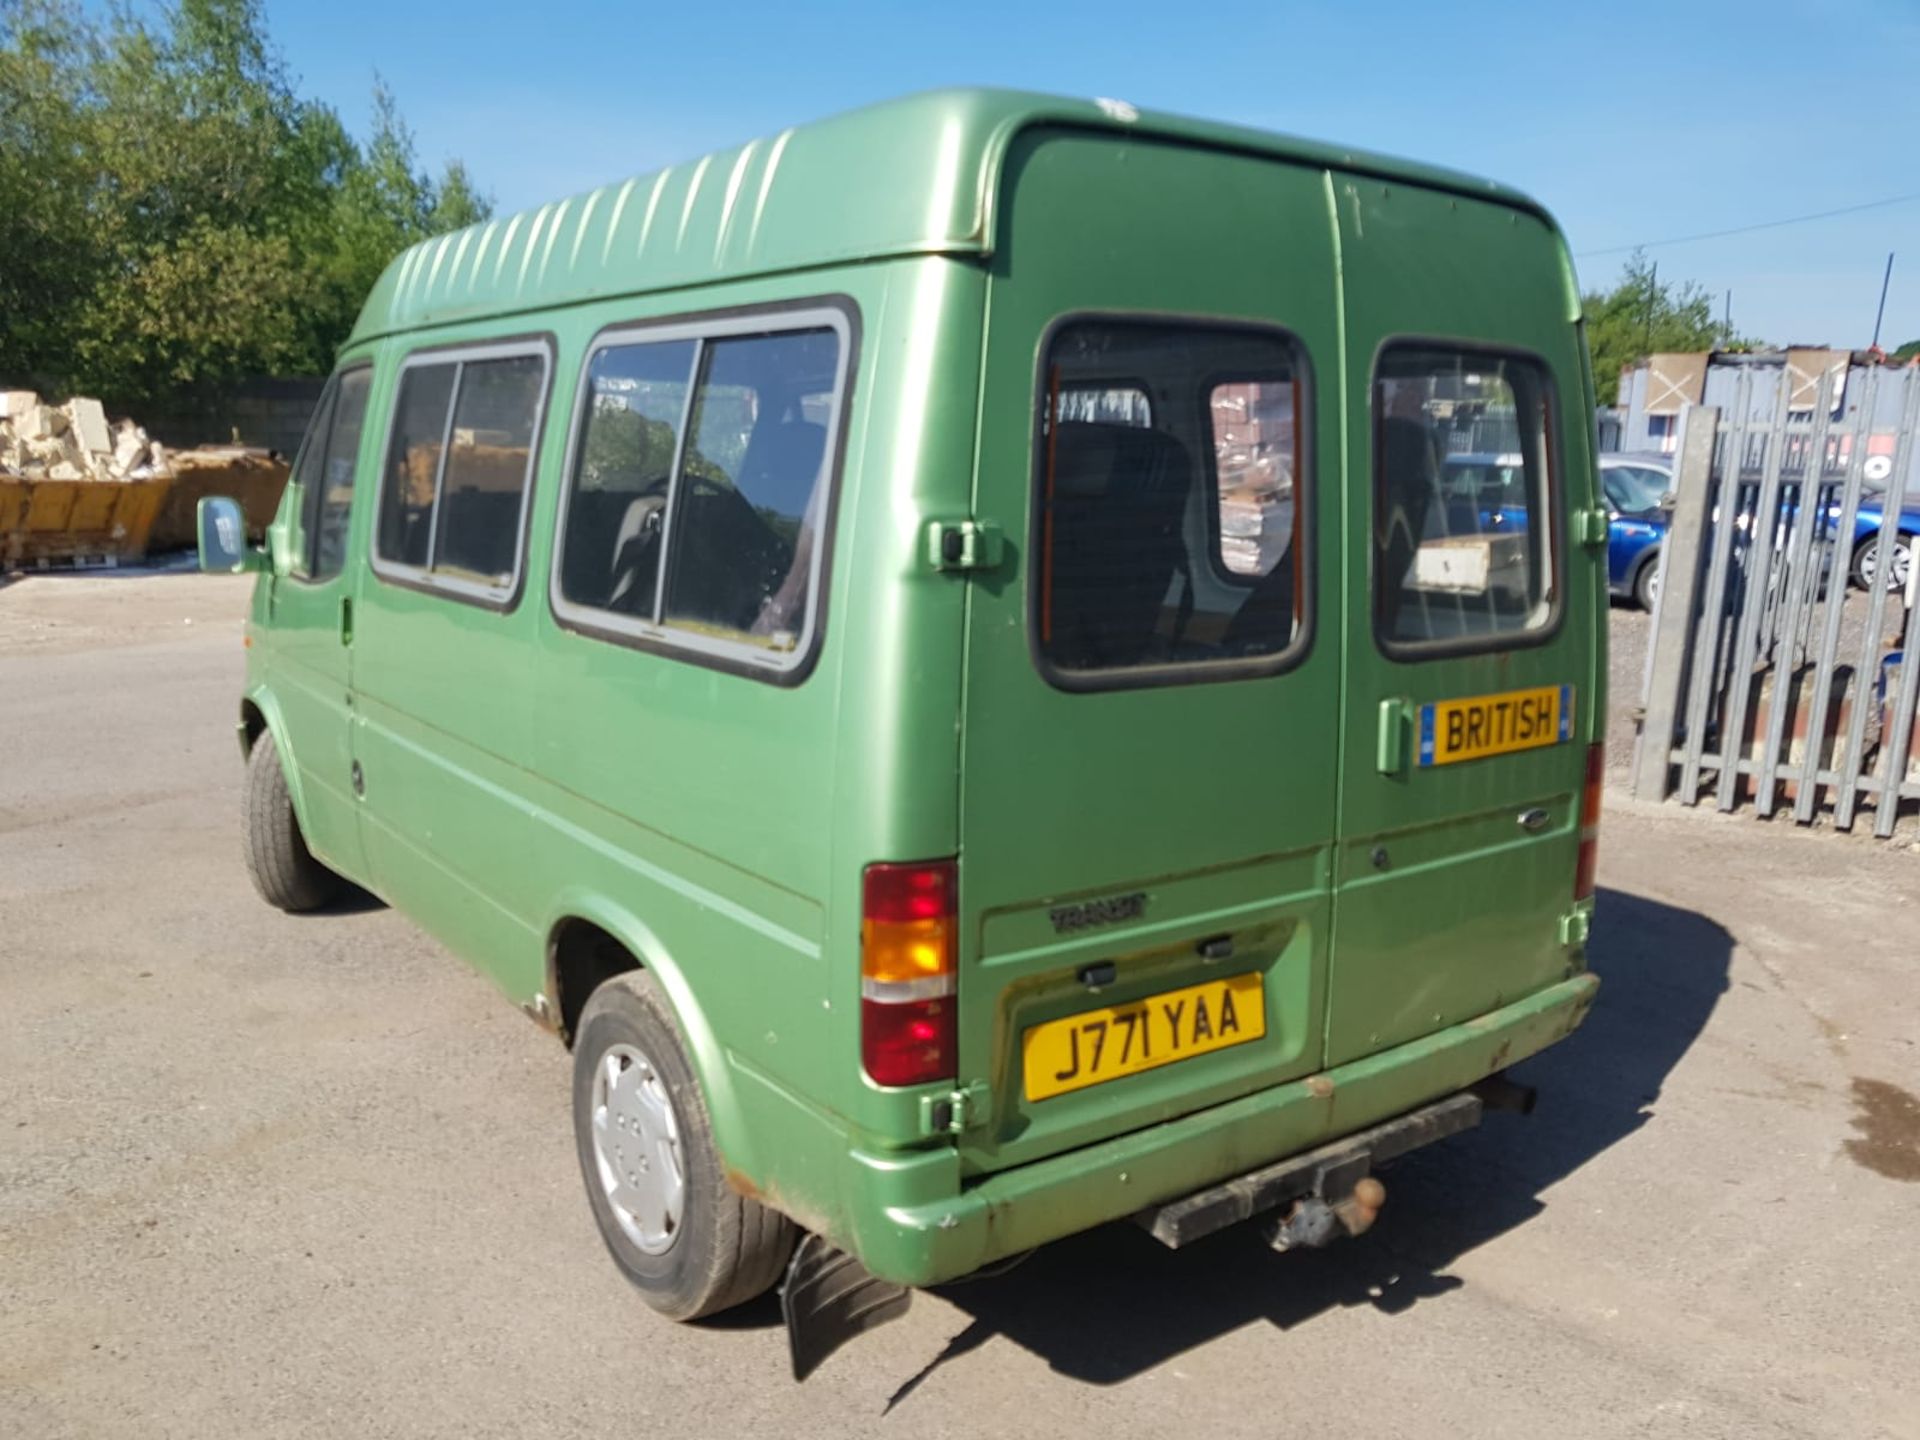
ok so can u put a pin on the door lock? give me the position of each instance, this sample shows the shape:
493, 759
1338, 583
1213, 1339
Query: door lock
359, 779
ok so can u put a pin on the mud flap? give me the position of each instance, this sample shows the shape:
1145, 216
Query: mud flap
830, 1298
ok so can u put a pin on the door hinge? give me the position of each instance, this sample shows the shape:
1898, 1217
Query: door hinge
955, 1111
964, 544
1593, 526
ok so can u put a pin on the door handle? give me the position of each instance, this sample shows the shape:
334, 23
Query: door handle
1390, 754
346, 620
1533, 821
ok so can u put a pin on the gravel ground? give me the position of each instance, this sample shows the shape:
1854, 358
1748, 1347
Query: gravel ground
273, 1176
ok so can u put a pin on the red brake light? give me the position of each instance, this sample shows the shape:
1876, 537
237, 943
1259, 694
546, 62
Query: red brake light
1583, 874
909, 919
908, 1043
900, 893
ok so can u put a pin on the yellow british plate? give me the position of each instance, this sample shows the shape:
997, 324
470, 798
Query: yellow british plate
1483, 725
1096, 1046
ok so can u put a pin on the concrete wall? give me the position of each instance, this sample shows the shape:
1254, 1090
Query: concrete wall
269, 412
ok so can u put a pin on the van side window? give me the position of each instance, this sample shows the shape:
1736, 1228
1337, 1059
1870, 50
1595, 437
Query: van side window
330, 496
304, 483
636, 401
746, 514
405, 527
696, 511
458, 467
1169, 530
1463, 539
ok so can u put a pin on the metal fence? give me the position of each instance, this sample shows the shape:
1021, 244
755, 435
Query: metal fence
1780, 677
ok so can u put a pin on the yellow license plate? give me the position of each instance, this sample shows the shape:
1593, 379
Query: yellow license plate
1096, 1046
1483, 725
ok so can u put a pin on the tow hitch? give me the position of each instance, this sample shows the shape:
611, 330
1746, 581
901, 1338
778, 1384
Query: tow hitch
1315, 1198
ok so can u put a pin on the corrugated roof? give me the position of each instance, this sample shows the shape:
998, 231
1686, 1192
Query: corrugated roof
911, 176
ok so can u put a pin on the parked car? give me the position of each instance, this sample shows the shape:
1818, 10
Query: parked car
1638, 492
791, 648
1866, 537
1484, 497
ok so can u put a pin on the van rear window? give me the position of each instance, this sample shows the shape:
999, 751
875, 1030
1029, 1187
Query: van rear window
1170, 517
1464, 525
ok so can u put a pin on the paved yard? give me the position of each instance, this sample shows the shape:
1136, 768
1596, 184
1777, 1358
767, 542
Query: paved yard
266, 1176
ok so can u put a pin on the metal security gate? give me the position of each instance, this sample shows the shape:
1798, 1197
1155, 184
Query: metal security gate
1775, 679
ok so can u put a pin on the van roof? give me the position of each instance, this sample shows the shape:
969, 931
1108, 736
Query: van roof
914, 176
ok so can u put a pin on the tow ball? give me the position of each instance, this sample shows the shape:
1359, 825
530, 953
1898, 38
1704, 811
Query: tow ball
1314, 1223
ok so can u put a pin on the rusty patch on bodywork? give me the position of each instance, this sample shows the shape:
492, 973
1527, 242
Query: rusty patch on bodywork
743, 1184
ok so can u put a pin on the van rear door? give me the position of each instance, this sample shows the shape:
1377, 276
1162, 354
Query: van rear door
1149, 734
1470, 628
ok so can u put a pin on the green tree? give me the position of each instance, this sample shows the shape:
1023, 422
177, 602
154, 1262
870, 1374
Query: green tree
174, 216
1906, 353
49, 250
1644, 315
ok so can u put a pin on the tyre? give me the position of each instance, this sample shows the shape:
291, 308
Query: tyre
1865, 555
688, 1241
1646, 582
282, 868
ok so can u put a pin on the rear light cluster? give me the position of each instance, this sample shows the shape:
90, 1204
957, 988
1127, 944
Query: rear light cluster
909, 949
1583, 870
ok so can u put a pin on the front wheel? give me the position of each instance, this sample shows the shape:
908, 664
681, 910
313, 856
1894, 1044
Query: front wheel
281, 866
689, 1242
1646, 583
1866, 557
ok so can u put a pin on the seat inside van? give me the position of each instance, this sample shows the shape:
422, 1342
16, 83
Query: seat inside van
1120, 495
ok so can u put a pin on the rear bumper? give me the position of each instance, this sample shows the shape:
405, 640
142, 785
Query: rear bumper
905, 1235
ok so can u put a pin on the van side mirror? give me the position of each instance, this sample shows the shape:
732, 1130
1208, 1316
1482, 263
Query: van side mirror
223, 539
1669, 499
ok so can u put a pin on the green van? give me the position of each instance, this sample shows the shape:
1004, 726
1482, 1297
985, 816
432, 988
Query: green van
938, 651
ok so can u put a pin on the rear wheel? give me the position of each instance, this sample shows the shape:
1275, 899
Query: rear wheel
689, 1242
1866, 556
1646, 582
283, 870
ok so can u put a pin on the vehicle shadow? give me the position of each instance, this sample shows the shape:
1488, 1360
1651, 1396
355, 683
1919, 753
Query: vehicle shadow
351, 900
1104, 1306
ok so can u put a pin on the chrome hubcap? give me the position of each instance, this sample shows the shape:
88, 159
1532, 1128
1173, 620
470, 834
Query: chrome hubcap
1899, 571
636, 1148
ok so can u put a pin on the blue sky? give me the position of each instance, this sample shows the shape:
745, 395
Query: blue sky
1632, 121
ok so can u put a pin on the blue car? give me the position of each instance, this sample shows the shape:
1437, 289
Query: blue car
1866, 535
1483, 497
1636, 488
